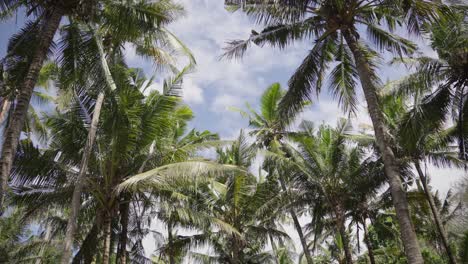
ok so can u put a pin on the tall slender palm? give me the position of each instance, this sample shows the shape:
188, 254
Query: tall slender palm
449, 38
269, 130
335, 27
342, 175
141, 13
133, 19
149, 121
46, 21
421, 136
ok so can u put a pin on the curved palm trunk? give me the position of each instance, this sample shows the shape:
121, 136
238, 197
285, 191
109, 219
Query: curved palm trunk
298, 227
107, 239
408, 235
13, 131
435, 214
124, 211
76, 198
75, 207
370, 250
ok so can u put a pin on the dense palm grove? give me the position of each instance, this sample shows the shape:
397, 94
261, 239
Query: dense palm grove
115, 161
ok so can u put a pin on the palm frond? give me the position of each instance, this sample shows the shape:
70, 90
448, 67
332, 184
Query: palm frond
189, 170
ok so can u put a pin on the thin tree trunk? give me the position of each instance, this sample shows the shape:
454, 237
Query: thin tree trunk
235, 250
435, 214
408, 235
170, 243
358, 239
105, 66
315, 223
275, 250
76, 198
345, 239
4, 109
461, 136
13, 131
71, 225
340, 221
370, 250
297, 225
107, 239
124, 210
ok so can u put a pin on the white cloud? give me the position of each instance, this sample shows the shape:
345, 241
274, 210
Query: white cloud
205, 29
192, 92
443, 179
221, 103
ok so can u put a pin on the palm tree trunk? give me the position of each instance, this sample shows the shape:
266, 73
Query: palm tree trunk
435, 214
460, 121
235, 250
13, 131
358, 239
105, 66
75, 207
4, 109
315, 224
370, 250
124, 211
107, 239
297, 225
275, 250
170, 243
408, 235
345, 239
76, 198
340, 222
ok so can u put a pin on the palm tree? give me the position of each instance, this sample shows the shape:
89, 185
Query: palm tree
447, 72
139, 22
40, 33
120, 153
33, 126
342, 175
421, 135
239, 203
269, 130
149, 21
334, 25
224, 205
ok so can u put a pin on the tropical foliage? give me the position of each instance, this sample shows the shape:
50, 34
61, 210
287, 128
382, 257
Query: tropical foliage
114, 164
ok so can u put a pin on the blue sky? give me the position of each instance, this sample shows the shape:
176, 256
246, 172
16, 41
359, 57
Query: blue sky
218, 84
